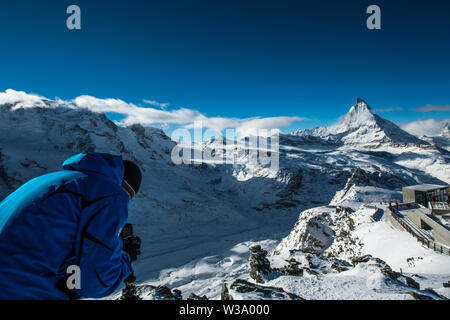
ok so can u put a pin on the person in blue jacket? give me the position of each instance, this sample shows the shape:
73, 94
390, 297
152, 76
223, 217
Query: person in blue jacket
68, 218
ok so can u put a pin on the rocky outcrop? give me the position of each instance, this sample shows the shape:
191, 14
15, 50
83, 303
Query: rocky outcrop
387, 271
149, 292
323, 231
364, 258
359, 177
263, 292
259, 265
340, 265
292, 269
434, 294
418, 296
346, 244
311, 233
301, 264
193, 296
225, 294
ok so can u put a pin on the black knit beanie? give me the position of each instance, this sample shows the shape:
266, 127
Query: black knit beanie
131, 178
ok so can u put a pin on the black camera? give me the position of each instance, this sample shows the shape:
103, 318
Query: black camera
131, 243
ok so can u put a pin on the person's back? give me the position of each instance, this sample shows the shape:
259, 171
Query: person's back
67, 218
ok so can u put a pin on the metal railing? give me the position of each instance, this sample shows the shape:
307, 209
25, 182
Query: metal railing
438, 205
425, 242
393, 205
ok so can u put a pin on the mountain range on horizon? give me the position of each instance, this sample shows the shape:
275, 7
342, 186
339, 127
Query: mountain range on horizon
197, 222
357, 114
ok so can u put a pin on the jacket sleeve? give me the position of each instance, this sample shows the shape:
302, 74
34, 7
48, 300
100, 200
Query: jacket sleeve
103, 263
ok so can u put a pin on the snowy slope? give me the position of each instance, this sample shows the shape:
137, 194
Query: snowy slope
323, 245
177, 213
197, 222
442, 140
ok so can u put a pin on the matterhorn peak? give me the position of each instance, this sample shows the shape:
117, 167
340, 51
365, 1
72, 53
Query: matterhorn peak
361, 126
361, 106
360, 101
359, 115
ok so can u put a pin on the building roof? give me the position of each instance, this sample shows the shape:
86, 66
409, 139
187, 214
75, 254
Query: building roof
426, 187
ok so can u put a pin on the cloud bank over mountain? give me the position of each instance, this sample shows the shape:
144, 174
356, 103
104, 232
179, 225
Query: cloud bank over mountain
428, 127
158, 113
132, 113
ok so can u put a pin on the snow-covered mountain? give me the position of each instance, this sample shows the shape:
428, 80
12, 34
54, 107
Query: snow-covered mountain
177, 212
442, 140
362, 127
197, 222
428, 127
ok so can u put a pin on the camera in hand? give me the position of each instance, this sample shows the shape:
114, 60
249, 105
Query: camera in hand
131, 243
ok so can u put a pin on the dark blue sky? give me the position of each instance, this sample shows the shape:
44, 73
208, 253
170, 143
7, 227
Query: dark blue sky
234, 58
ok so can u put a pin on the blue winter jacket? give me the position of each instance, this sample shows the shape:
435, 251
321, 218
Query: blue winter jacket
70, 217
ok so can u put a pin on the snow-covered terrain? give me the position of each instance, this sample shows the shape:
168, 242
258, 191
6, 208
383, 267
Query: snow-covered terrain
198, 222
442, 140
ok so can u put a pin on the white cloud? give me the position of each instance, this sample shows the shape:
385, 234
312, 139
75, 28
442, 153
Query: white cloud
132, 113
250, 125
183, 116
156, 103
429, 127
21, 99
247, 125
431, 107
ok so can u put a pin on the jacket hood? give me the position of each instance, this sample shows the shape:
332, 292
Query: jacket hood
105, 164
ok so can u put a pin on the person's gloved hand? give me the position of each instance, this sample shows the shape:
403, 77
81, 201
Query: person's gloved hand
130, 280
132, 246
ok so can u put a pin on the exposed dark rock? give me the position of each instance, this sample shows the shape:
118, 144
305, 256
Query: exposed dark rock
157, 292
31, 163
295, 181
138, 129
312, 265
225, 295
243, 286
419, 296
177, 294
310, 272
193, 296
387, 271
130, 293
340, 265
360, 100
292, 269
434, 293
408, 281
11, 181
259, 265
364, 258
108, 122
359, 177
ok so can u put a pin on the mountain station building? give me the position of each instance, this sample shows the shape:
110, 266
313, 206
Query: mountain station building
425, 194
